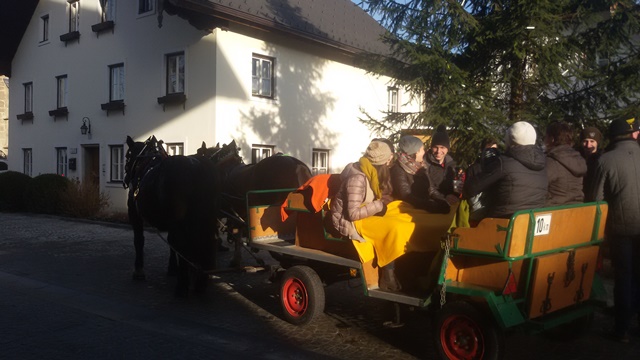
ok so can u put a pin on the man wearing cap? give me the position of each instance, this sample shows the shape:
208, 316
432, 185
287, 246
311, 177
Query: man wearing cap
441, 168
590, 148
616, 180
409, 178
517, 180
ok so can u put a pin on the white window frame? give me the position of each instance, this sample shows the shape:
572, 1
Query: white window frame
27, 161
28, 97
116, 82
259, 152
393, 100
146, 7
320, 161
174, 149
62, 91
44, 28
74, 15
116, 163
62, 161
108, 10
175, 73
262, 76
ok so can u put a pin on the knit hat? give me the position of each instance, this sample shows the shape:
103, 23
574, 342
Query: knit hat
440, 137
378, 152
520, 133
622, 127
591, 133
410, 144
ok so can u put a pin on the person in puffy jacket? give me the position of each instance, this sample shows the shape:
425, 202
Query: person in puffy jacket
565, 166
361, 193
517, 180
409, 178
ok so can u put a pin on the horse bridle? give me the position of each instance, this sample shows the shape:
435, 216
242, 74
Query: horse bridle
134, 164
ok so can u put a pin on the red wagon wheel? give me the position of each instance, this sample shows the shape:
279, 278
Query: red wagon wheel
301, 294
463, 333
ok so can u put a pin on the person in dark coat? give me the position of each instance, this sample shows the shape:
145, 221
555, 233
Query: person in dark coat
617, 181
517, 180
409, 178
565, 166
590, 148
488, 154
441, 168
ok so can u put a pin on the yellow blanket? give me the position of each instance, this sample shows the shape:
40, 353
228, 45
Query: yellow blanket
402, 229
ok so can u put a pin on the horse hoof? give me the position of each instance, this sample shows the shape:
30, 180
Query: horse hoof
138, 275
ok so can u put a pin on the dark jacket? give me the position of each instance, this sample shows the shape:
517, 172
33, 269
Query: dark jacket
414, 189
617, 181
517, 181
565, 171
592, 161
440, 176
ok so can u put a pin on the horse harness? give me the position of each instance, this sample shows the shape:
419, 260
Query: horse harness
154, 160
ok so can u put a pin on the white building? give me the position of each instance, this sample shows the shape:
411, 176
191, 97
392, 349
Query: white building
275, 76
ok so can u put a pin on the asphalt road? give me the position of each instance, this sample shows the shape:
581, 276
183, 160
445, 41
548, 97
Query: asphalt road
66, 292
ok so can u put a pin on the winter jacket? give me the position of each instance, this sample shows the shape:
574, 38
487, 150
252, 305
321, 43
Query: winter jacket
440, 176
517, 181
414, 189
354, 201
617, 181
565, 171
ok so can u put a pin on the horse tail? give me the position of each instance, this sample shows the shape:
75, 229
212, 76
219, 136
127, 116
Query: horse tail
303, 172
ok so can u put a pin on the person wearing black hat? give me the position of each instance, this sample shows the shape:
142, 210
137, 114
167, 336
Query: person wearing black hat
441, 168
590, 148
616, 180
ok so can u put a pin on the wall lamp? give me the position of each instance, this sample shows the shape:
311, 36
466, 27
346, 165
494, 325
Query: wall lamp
86, 126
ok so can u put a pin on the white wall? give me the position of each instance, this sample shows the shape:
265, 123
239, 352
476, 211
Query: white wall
317, 102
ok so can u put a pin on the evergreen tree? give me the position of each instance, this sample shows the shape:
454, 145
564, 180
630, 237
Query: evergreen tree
478, 66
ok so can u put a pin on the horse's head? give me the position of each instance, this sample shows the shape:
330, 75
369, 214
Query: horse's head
138, 150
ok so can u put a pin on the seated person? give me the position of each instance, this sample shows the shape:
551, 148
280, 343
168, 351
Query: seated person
478, 203
566, 168
517, 180
409, 178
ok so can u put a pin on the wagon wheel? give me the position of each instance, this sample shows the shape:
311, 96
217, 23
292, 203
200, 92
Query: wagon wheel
301, 294
463, 332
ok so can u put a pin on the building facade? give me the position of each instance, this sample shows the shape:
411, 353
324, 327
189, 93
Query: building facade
89, 73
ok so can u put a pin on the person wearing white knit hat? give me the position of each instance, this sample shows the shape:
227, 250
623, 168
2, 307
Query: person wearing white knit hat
518, 180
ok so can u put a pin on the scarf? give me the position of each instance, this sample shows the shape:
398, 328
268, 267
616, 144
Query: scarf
372, 175
408, 164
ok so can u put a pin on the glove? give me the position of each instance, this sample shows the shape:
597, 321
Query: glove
383, 211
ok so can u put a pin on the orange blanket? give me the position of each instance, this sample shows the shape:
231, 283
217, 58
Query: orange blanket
402, 229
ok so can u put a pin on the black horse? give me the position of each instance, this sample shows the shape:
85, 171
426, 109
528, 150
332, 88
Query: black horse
238, 178
177, 194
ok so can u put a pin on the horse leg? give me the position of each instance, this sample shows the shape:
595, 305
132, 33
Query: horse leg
177, 240
138, 242
172, 267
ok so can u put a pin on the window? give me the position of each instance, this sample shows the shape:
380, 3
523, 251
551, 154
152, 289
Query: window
116, 82
61, 161
27, 163
108, 10
259, 152
262, 76
44, 23
319, 161
74, 16
62, 91
117, 163
28, 97
175, 73
175, 149
392, 99
145, 6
